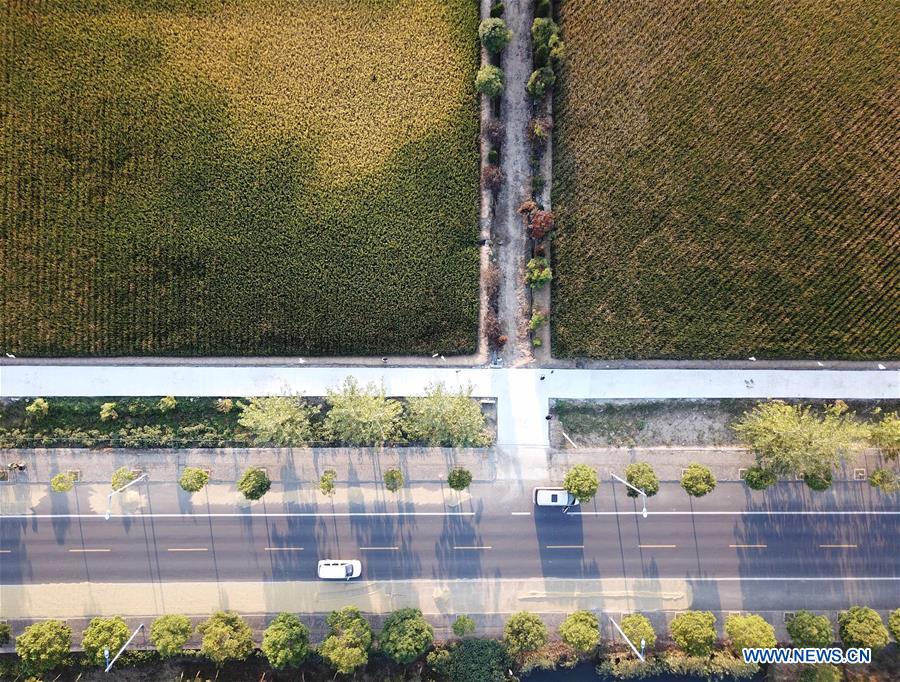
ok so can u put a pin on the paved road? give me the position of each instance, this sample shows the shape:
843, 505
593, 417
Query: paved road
735, 535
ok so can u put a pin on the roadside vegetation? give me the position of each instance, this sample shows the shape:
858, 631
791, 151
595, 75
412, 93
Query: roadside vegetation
251, 177
715, 200
349, 415
404, 648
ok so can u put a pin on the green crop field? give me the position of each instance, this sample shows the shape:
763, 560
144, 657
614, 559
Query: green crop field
192, 177
726, 180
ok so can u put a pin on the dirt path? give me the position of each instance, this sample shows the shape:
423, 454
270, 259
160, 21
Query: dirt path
515, 163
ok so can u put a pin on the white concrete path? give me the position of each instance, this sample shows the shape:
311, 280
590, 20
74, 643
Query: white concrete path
522, 395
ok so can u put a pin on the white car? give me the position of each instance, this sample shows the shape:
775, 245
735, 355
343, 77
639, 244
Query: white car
339, 569
554, 497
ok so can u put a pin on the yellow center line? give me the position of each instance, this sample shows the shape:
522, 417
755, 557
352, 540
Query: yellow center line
284, 549
188, 549
474, 547
84, 551
838, 546
565, 546
748, 546
378, 548
657, 546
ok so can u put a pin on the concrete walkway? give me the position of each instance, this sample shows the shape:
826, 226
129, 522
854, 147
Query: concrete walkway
522, 394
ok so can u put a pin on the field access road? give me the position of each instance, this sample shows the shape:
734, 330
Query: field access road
522, 395
845, 540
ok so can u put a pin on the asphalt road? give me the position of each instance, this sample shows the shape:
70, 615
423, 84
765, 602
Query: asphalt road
730, 535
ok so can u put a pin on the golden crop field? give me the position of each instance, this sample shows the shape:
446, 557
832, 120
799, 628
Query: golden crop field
189, 177
726, 180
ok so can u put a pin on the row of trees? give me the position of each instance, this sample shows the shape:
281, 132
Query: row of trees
406, 637
796, 440
583, 481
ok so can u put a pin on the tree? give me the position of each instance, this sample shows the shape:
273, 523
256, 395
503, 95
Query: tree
885, 480
885, 435
538, 272
818, 480
694, 632
792, 440
751, 631
62, 482
698, 480
540, 81
494, 35
405, 635
167, 404
637, 627
278, 420
104, 633
524, 631
444, 418
108, 412
758, 478
193, 479
5, 633
459, 479
254, 483
582, 482
893, 624
346, 648
581, 631
541, 222
226, 637
37, 409
642, 476
463, 625
393, 480
824, 672
439, 661
362, 416
286, 642
326, 482
860, 626
44, 646
542, 30
122, 477
492, 177
478, 660
809, 630
170, 633
489, 81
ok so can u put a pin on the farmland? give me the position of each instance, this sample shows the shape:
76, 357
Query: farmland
240, 177
725, 180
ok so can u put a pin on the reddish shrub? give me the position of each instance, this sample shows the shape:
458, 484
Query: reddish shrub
492, 284
541, 222
492, 177
492, 329
502, 339
527, 208
494, 131
540, 250
539, 130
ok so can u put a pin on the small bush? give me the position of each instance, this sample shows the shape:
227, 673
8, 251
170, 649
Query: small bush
464, 625
497, 9
459, 479
694, 632
860, 626
642, 476
524, 631
885, 480
540, 81
538, 273
491, 280
538, 320
62, 483
894, 624
108, 412
254, 483
122, 477
542, 8
489, 81
167, 404
536, 342
698, 480
224, 405
5, 633
37, 409
492, 178
193, 479
809, 630
326, 482
818, 481
637, 627
537, 184
539, 131
758, 478
494, 131
494, 35
581, 631
542, 30
492, 330
542, 223
439, 661
493, 157
170, 633
393, 480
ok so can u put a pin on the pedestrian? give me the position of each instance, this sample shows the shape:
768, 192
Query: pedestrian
543, 377
384, 360
548, 417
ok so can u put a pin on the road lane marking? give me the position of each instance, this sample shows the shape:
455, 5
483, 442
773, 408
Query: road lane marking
565, 546
748, 546
5, 551
85, 551
472, 547
284, 549
232, 515
736, 512
187, 549
838, 546
372, 549
521, 513
657, 546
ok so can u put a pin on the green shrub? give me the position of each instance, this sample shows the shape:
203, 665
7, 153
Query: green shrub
278, 420
393, 480
642, 476
362, 416
818, 480
582, 481
62, 482
459, 479
101, 634
698, 480
193, 479
581, 631
444, 418
758, 478
493, 157
37, 409
326, 482
808, 630
346, 647
463, 625
254, 483
286, 642
44, 646
478, 660
894, 624
497, 9
694, 632
167, 404
226, 637
542, 29
5, 633
122, 477
489, 81
494, 35
885, 480
540, 81
860, 626
536, 342
542, 8
108, 412
170, 633
438, 660
638, 627
538, 273
748, 632
821, 673
405, 635
885, 435
524, 631
538, 320
224, 405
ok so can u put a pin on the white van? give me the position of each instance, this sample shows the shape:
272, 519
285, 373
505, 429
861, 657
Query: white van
554, 497
339, 569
